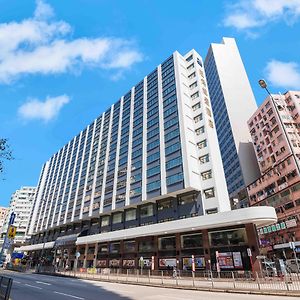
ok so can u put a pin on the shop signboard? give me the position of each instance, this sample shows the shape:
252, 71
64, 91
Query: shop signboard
167, 262
102, 263
114, 263
128, 263
147, 262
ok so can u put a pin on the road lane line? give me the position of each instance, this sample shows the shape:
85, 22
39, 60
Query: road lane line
17, 281
68, 295
36, 287
41, 282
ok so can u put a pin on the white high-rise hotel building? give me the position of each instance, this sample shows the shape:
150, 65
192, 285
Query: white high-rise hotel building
146, 171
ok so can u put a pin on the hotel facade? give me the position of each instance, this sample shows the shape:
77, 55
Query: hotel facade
145, 179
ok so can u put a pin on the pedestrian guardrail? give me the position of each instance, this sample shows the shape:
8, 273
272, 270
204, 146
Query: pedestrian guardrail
5, 287
238, 280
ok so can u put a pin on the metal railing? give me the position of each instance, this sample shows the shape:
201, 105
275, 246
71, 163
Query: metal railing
225, 280
5, 287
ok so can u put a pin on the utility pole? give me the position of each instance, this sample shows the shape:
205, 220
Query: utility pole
8, 236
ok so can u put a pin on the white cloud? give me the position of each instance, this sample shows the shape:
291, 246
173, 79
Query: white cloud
250, 14
283, 74
42, 45
43, 110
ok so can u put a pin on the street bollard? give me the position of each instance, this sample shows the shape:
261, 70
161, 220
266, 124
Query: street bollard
193, 276
212, 279
149, 274
233, 279
127, 275
258, 282
137, 275
162, 277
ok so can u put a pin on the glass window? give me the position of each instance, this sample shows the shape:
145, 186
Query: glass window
171, 122
105, 221
130, 215
199, 130
206, 175
191, 198
129, 246
114, 248
198, 118
209, 193
146, 246
196, 106
153, 186
117, 218
228, 237
204, 159
153, 171
174, 178
167, 243
173, 163
146, 211
165, 204
202, 144
189, 241
172, 148
153, 157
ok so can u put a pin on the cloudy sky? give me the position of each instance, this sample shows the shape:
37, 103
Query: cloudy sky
62, 63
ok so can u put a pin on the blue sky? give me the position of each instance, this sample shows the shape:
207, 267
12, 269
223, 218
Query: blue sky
62, 63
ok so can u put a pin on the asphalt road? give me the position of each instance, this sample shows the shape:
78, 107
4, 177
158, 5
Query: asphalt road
28, 286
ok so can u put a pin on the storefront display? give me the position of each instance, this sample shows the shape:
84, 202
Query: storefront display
230, 260
199, 262
101, 263
114, 263
167, 262
128, 263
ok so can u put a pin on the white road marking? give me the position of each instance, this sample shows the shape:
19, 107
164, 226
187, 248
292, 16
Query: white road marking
36, 287
41, 282
69, 295
16, 281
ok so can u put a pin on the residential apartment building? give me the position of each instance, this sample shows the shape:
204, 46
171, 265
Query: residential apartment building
3, 213
233, 103
144, 179
21, 204
275, 131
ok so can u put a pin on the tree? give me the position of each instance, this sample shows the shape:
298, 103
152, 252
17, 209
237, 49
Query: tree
5, 153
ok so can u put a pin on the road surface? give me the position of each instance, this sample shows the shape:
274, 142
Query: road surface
27, 286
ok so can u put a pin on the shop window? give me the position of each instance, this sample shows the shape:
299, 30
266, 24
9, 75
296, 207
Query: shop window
146, 246
189, 241
146, 211
102, 248
228, 237
167, 243
91, 250
129, 246
114, 248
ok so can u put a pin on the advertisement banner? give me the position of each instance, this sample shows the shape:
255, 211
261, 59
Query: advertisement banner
167, 262
199, 262
113, 263
237, 260
101, 263
225, 260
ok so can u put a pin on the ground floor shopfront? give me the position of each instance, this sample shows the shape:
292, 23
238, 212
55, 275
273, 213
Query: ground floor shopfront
223, 241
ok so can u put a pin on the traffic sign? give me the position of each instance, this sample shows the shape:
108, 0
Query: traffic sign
249, 252
12, 230
12, 218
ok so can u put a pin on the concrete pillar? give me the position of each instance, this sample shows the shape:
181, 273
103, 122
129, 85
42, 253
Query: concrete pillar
95, 255
85, 255
206, 248
253, 244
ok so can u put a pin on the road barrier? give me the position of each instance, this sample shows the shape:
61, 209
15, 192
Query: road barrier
225, 280
5, 287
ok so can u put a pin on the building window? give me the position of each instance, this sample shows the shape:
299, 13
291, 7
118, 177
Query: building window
228, 237
196, 106
172, 148
146, 211
190, 67
193, 85
104, 221
190, 58
167, 243
211, 211
185, 199
174, 163
191, 241
206, 175
192, 75
209, 193
153, 186
198, 118
114, 248
174, 178
202, 144
146, 246
153, 171
165, 204
129, 246
130, 215
117, 218
199, 130
204, 159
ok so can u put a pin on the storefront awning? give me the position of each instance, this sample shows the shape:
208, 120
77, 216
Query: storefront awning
40, 246
66, 240
260, 216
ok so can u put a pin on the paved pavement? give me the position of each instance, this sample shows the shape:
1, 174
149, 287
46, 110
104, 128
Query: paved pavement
28, 286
